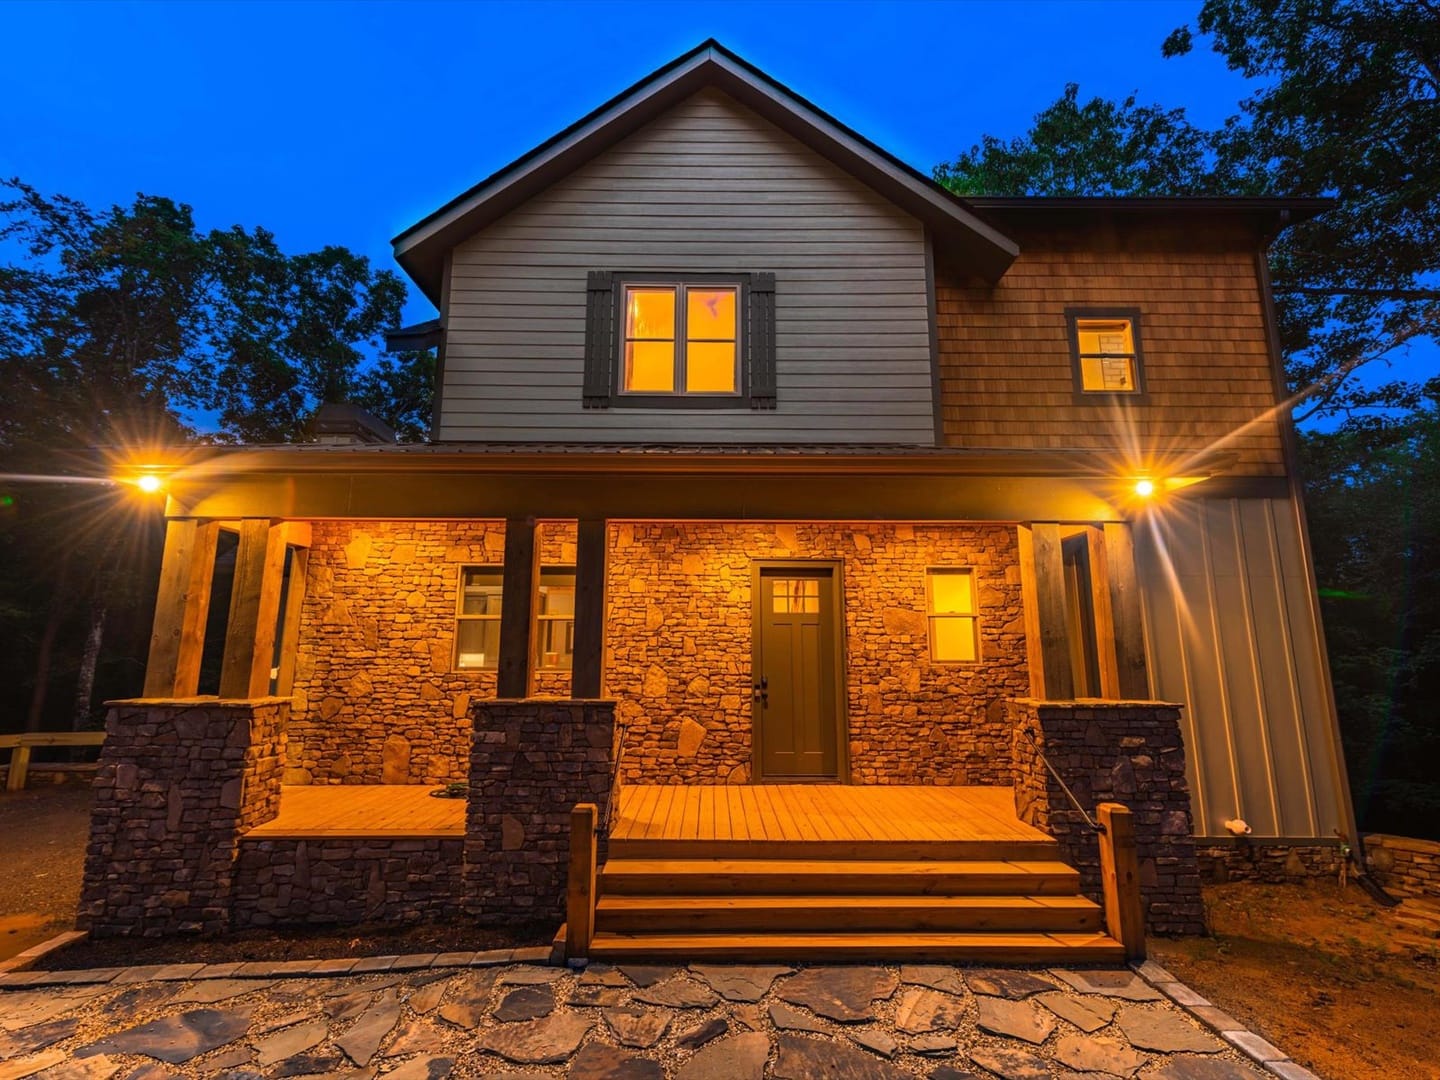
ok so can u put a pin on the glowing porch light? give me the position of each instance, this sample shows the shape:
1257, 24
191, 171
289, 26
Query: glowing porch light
149, 483
1144, 487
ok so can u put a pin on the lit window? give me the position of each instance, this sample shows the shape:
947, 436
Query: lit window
954, 623
477, 619
1106, 352
681, 339
555, 621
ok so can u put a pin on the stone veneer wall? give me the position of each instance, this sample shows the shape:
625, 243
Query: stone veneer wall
339, 880
531, 762
1403, 865
678, 637
1259, 859
376, 696
1130, 753
179, 781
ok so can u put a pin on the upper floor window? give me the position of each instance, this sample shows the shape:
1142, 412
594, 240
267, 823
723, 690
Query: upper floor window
1105, 348
685, 341
681, 339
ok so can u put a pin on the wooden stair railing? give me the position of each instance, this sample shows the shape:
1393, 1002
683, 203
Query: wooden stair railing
20, 745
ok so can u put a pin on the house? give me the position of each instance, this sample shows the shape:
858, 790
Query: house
833, 535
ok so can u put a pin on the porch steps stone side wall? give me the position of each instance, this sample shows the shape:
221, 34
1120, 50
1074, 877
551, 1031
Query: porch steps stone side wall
1125, 752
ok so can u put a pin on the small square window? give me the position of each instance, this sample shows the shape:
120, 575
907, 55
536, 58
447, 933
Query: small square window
1105, 349
953, 615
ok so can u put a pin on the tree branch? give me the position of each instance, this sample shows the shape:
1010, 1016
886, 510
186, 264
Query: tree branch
1385, 294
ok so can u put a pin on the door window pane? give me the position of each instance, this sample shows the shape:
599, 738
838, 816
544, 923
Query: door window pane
795, 596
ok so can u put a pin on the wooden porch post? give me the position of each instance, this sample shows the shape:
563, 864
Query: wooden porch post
182, 604
1120, 879
1042, 577
1125, 613
515, 677
254, 609
587, 674
580, 889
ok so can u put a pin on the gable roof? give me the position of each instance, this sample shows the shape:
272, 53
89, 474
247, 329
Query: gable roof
421, 249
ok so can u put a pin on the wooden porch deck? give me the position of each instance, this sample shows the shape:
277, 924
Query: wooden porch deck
389, 811
753, 820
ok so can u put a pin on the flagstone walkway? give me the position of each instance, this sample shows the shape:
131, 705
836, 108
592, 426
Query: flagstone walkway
417, 1018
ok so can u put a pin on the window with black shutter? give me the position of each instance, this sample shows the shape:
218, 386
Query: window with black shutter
697, 341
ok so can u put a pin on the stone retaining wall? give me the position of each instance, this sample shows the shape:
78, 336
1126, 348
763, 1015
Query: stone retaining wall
339, 880
531, 762
179, 781
1130, 753
1223, 859
679, 633
1403, 865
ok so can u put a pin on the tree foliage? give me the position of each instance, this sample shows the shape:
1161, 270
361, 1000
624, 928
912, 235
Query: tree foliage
129, 328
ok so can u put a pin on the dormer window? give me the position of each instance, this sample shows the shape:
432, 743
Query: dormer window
692, 341
1105, 350
681, 339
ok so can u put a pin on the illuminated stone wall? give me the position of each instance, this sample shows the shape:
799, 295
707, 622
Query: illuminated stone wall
376, 699
678, 637
376, 696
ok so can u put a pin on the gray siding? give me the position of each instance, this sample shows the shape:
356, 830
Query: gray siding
1232, 631
708, 187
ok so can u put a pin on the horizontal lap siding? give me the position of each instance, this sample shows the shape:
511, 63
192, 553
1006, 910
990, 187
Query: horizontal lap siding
707, 188
1005, 368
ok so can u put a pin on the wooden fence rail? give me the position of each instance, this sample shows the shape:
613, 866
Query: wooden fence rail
21, 745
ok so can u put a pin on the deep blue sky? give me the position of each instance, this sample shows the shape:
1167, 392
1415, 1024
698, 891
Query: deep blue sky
343, 123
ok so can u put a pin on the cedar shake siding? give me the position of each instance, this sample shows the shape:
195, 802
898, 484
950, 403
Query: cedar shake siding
1006, 373
708, 187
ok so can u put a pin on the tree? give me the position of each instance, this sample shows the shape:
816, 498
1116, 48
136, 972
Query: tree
295, 334
1347, 103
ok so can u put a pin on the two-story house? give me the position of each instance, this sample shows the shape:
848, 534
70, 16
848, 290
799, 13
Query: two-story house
793, 507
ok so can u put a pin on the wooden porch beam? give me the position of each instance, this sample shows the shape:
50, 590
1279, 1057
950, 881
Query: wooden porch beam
515, 677
1133, 681
587, 674
182, 605
254, 609
1049, 623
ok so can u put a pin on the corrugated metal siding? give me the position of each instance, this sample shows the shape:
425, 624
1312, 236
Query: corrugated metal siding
708, 187
1231, 632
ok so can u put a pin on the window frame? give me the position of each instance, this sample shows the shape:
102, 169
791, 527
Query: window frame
973, 615
739, 398
462, 617
1073, 317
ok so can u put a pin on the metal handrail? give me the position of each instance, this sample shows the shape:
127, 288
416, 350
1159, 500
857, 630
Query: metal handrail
612, 807
1095, 825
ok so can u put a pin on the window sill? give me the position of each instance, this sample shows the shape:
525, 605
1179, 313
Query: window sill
678, 401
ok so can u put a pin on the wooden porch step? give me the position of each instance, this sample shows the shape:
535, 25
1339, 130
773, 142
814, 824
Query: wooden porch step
785, 914
1016, 948
998, 850
836, 877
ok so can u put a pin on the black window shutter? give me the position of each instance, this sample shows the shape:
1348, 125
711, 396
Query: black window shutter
599, 339
762, 341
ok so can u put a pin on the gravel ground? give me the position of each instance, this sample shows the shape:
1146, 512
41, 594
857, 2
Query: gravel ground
42, 848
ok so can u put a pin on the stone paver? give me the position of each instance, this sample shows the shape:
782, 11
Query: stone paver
924, 1010
735, 983
802, 1058
740, 1057
1017, 1019
1006, 982
505, 1016
845, 994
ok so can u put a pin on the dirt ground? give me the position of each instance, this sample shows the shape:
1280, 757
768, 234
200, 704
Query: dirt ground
42, 850
1328, 975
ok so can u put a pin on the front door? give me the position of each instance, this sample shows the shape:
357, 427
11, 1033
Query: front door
797, 719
